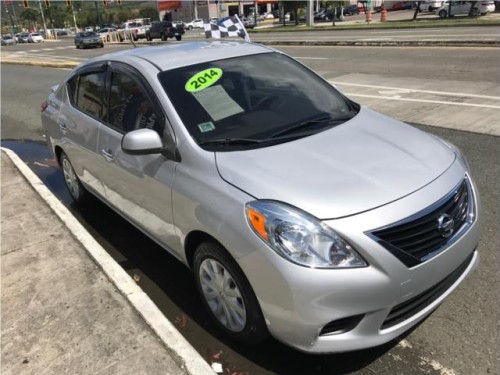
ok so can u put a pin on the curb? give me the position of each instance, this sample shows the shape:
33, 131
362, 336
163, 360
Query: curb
379, 43
178, 347
46, 64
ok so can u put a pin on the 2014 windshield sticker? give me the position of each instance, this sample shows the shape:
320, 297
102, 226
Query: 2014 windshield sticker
203, 79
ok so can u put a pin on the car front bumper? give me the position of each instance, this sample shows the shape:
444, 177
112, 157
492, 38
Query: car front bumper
336, 310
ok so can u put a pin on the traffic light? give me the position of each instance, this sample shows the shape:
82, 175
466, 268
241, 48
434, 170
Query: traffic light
47, 3
26, 4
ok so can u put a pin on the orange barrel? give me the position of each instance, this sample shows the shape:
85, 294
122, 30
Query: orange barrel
369, 16
383, 15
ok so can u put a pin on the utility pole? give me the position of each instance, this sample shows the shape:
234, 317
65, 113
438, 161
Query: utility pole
74, 17
195, 10
14, 11
43, 17
309, 13
98, 15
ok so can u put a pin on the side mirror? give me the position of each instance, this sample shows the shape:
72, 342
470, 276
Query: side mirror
142, 142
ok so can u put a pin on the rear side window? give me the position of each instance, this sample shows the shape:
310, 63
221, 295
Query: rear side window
86, 93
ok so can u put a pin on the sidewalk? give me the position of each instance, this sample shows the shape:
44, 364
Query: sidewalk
66, 306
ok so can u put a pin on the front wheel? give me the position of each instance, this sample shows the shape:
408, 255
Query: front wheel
442, 13
75, 187
227, 295
178, 37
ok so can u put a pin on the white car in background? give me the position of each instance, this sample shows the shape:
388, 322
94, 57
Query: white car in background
195, 24
463, 8
35, 38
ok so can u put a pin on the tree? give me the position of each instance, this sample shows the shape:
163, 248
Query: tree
417, 10
473, 12
30, 16
149, 12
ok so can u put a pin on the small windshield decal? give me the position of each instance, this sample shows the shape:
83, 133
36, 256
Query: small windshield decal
203, 79
206, 126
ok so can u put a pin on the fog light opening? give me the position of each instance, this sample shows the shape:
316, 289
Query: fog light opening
336, 327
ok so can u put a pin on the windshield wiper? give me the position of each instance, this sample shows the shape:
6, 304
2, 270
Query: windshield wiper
230, 141
305, 124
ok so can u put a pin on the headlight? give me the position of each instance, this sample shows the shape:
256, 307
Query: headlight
300, 237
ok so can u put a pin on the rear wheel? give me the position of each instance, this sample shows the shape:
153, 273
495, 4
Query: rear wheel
148, 38
178, 37
163, 37
442, 13
227, 295
75, 187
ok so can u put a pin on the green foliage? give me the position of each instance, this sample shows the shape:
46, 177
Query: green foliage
149, 12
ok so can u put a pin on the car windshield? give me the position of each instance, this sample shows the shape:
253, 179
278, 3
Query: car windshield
89, 34
35, 34
253, 101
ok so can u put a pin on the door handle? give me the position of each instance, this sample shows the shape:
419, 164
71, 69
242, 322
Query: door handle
63, 127
108, 155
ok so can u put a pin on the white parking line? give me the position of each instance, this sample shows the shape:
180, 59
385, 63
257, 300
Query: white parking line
311, 58
444, 93
423, 100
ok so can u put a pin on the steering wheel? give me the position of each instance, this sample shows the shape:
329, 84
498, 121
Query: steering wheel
266, 102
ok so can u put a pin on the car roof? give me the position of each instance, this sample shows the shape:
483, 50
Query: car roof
167, 57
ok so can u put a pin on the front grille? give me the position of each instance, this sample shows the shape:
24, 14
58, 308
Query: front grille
411, 307
419, 237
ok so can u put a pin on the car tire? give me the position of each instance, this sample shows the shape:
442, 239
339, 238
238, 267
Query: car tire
163, 37
190, 27
148, 38
178, 37
227, 295
443, 13
71, 180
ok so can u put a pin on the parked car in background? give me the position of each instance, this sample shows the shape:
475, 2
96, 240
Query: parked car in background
375, 225
61, 33
351, 10
35, 38
23, 37
8, 40
179, 24
249, 23
164, 30
399, 5
108, 34
88, 39
486, 7
195, 24
430, 5
461, 8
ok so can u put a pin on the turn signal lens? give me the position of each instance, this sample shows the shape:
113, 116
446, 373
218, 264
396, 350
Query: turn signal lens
258, 222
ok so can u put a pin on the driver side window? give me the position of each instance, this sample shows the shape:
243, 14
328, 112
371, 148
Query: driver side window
130, 107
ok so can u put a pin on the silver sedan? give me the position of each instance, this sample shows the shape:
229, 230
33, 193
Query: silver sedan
302, 214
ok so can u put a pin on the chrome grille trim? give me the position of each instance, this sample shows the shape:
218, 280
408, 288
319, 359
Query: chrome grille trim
416, 239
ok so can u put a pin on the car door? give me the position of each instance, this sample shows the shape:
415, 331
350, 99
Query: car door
79, 123
138, 186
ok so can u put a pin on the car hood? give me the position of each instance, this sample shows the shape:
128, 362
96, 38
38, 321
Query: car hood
362, 164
